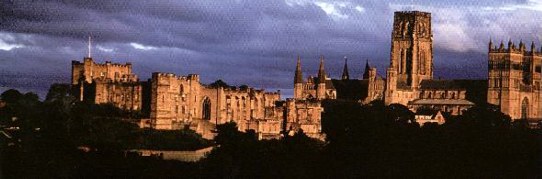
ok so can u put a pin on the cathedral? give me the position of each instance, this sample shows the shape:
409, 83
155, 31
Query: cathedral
513, 82
409, 78
174, 102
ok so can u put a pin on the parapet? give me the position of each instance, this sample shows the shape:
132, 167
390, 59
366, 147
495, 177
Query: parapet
415, 13
169, 75
108, 63
512, 48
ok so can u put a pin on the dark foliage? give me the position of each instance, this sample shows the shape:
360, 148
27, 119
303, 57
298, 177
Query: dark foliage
380, 140
373, 140
42, 139
171, 140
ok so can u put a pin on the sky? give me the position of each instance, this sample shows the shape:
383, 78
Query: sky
252, 42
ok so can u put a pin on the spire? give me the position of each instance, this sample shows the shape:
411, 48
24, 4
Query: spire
298, 78
367, 68
521, 45
501, 47
490, 43
321, 71
89, 45
533, 48
510, 43
345, 75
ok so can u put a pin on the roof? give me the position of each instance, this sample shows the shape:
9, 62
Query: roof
440, 84
441, 102
476, 90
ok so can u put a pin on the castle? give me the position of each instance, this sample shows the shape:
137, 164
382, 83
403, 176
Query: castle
175, 102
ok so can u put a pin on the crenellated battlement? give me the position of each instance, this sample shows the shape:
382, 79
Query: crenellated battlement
175, 76
410, 13
513, 48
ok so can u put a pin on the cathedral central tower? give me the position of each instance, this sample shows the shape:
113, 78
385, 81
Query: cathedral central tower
412, 47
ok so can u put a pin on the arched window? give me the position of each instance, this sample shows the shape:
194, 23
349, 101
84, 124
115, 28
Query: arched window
429, 95
206, 109
524, 108
181, 89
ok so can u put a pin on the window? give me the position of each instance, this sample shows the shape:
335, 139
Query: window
206, 109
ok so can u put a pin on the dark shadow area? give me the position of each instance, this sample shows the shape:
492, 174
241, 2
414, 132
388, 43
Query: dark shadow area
63, 138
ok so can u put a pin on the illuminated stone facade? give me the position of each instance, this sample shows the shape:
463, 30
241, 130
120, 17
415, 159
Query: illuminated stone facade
410, 74
514, 80
107, 83
409, 79
175, 102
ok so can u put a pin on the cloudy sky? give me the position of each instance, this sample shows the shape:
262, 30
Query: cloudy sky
249, 42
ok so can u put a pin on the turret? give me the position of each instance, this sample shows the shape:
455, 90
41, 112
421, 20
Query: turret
298, 80
521, 46
501, 47
510, 44
490, 44
533, 48
321, 86
321, 71
345, 75
366, 72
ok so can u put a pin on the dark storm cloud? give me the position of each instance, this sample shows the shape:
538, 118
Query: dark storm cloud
244, 42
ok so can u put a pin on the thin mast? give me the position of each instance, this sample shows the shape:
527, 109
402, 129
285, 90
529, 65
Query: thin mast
89, 45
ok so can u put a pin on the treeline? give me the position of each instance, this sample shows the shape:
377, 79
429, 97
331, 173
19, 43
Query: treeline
57, 137
373, 140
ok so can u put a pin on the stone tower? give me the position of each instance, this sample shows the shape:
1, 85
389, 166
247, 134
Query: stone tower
412, 47
298, 80
321, 83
